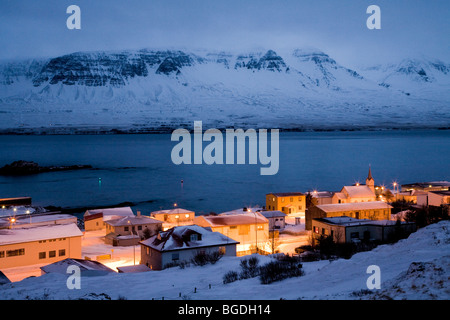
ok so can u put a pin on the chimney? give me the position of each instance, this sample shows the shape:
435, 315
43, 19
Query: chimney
138, 214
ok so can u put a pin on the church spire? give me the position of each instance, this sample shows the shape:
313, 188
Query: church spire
369, 181
369, 177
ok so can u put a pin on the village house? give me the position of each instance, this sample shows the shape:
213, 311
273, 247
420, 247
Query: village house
346, 229
409, 196
181, 244
433, 198
374, 210
291, 203
174, 217
322, 197
37, 245
96, 219
128, 231
277, 219
249, 228
88, 268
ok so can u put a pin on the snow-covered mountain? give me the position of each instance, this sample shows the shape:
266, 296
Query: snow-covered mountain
153, 89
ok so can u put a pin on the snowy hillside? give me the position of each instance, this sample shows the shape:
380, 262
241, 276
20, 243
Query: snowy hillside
151, 89
414, 268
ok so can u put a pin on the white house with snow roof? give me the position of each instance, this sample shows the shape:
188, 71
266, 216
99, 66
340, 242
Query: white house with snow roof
129, 230
181, 244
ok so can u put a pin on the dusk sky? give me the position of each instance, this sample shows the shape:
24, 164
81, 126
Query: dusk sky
408, 28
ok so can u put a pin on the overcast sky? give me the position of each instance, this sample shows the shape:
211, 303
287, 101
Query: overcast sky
408, 28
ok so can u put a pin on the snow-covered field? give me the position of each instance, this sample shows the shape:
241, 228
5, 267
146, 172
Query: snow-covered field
413, 268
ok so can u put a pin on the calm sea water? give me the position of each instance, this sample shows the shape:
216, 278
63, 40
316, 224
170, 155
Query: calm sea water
138, 168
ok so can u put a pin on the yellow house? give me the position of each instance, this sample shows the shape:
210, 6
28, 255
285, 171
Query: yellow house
250, 229
290, 203
39, 245
373, 210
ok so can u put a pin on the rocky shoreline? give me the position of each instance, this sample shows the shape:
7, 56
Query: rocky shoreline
22, 167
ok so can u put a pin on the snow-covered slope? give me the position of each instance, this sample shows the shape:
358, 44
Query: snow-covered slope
145, 89
415, 268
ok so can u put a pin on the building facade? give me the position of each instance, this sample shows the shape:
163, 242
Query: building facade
290, 203
374, 210
128, 231
346, 230
250, 229
181, 244
44, 244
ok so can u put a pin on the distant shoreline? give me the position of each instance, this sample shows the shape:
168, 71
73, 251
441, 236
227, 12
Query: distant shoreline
169, 130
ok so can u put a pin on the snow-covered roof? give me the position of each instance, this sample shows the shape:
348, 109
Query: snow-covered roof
111, 213
348, 221
178, 238
358, 191
322, 194
235, 219
84, 265
38, 218
242, 210
134, 268
352, 206
273, 214
16, 211
172, 211
287, 194
132, 220
20, 235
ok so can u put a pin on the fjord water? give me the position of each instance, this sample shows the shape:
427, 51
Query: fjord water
139, 169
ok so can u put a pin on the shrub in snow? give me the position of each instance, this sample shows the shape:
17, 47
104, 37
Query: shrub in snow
282, 268
230, 276
249, 268
202, 258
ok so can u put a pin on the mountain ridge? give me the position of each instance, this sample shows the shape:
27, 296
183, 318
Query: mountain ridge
151, 89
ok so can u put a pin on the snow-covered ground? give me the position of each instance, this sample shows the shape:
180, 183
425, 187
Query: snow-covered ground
413, 268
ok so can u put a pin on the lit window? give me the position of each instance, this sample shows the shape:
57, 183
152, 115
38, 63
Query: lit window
187, 215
